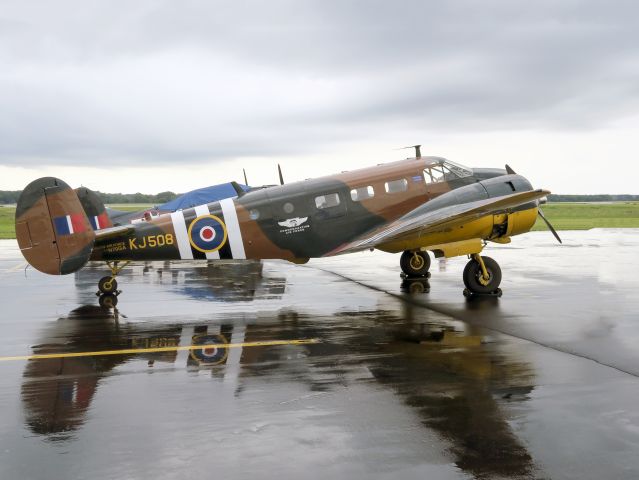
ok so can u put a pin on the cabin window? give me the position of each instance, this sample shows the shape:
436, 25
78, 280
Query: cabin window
362, 193
396, 186
288, 207
327, 201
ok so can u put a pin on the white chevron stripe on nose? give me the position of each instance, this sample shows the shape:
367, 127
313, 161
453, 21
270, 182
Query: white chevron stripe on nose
233, 227
181, 235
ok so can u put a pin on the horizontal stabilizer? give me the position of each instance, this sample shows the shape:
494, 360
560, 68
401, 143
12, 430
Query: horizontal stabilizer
114, 231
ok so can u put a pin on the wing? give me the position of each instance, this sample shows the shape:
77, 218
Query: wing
446, 217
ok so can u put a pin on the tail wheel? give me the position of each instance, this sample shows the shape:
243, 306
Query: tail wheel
107, 285
474, 276
415, 264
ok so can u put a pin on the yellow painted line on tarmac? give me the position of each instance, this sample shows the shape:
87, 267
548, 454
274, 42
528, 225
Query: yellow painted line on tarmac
128, 351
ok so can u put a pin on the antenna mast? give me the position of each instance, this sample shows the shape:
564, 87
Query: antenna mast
418, 150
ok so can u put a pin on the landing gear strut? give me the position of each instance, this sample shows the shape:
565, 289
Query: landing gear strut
109, 285
415, 264
482, 276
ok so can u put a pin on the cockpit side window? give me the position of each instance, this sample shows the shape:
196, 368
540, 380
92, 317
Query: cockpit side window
442, 170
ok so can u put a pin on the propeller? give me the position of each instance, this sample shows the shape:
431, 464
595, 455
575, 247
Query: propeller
540, 212
245, 180
550, 227
279, 169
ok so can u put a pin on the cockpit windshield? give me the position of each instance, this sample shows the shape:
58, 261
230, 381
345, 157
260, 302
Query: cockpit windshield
441, 170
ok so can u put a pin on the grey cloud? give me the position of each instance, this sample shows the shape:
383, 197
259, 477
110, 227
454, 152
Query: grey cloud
197, 81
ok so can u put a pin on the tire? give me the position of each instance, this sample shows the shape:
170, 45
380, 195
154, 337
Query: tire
107, 285
473, 273
415, 267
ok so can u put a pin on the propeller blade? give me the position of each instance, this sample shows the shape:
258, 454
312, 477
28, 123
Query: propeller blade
279, 169
245, 180
510, 170
550, 227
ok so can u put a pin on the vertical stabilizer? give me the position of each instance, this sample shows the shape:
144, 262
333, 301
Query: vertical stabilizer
52, 229
94, 208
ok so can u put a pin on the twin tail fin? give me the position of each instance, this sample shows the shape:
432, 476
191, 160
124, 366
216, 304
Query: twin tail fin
54, 232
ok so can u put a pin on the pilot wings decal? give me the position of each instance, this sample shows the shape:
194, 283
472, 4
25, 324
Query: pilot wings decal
292, 222
293, 225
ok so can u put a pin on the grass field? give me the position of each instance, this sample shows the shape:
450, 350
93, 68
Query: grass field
563, 216
584, 216
7, 230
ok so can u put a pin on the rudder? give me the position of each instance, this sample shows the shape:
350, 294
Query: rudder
52, 229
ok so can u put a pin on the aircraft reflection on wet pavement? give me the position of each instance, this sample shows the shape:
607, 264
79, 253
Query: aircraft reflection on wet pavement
216, 281
57, 391
459, 382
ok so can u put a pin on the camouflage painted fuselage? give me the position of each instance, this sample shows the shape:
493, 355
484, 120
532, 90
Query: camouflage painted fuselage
282, 222
307, 219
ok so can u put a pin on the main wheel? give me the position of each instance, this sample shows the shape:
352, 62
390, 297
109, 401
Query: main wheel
474, 278
107, 285
415, 264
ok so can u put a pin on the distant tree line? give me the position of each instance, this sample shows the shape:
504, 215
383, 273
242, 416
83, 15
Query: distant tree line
11, 196
157, 199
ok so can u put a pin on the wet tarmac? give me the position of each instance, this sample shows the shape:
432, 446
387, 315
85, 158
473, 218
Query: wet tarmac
334, 369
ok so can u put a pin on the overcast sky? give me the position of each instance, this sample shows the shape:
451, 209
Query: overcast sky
163, 95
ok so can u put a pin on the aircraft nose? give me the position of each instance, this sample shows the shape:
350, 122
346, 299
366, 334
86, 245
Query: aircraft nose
521, 183
506, 184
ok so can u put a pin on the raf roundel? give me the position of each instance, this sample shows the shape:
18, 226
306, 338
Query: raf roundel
207, 233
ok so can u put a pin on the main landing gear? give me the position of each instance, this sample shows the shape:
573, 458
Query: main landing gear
108, 286
415, 264
415, 274
482, 277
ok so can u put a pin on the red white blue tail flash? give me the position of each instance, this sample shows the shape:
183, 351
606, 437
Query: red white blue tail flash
69, 224
100, 221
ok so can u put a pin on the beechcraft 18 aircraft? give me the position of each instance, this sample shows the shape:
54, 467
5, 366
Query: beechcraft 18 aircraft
412, 206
